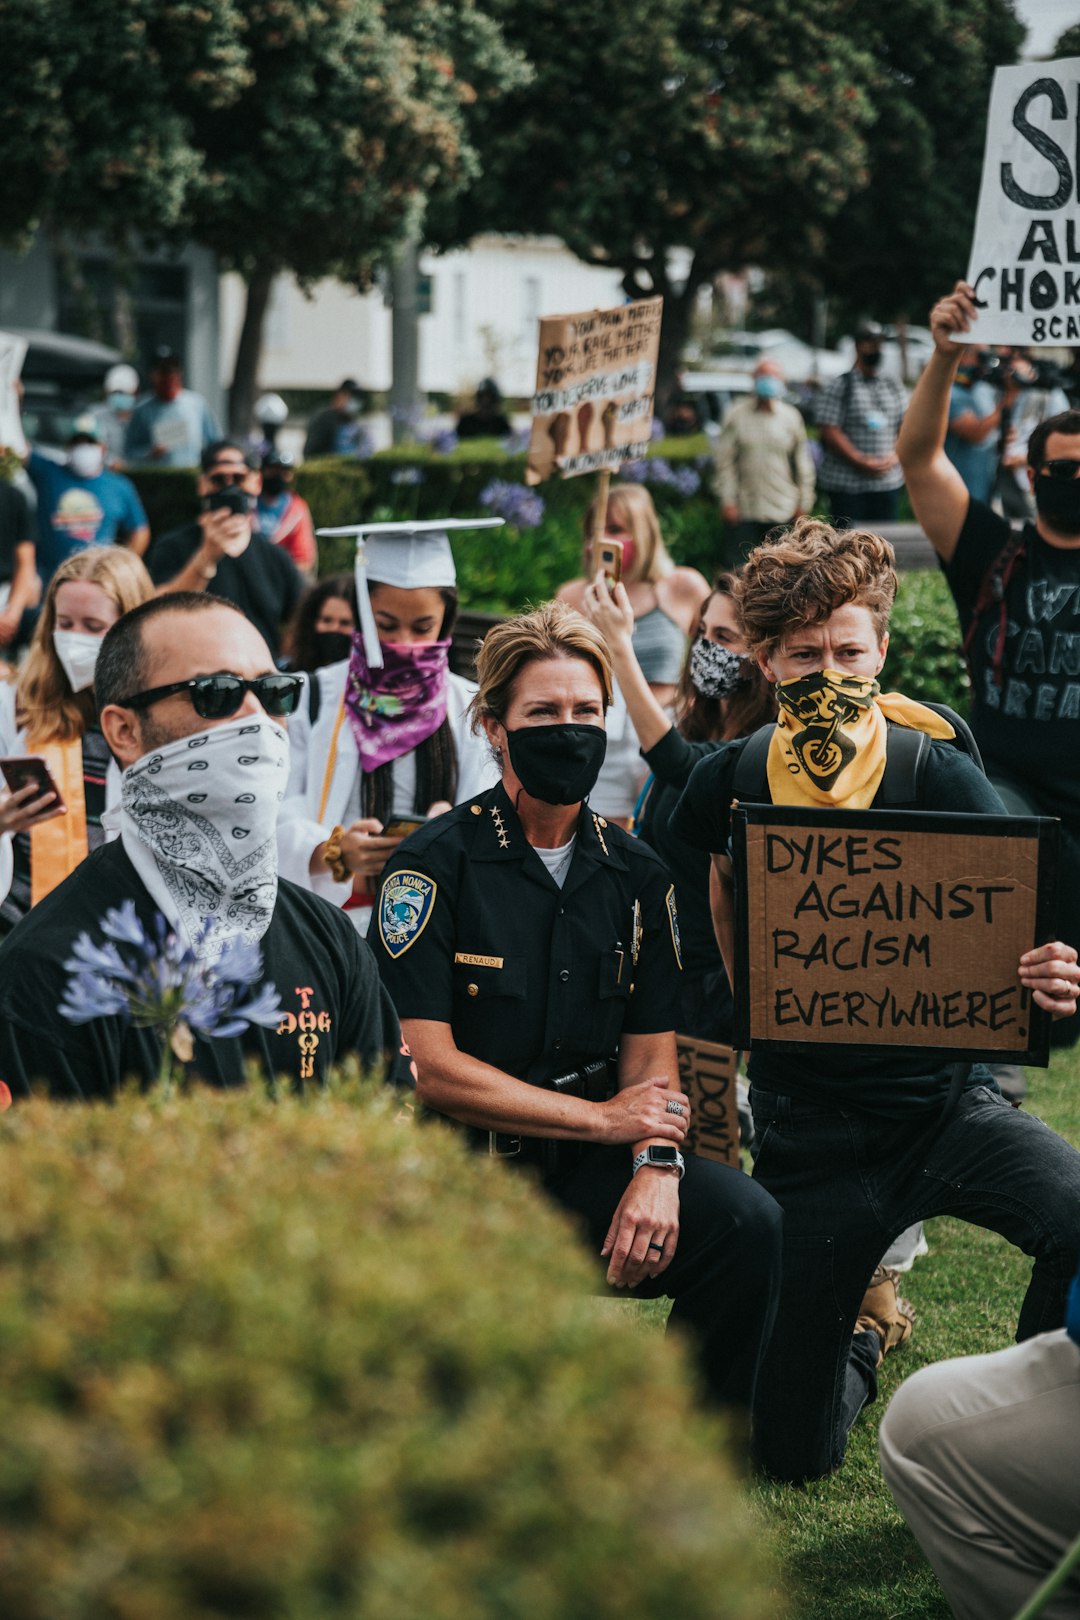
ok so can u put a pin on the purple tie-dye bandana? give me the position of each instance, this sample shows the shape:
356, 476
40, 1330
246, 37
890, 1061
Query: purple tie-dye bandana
392, 710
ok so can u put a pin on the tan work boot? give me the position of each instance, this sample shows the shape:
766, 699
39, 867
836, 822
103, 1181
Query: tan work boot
885, 1313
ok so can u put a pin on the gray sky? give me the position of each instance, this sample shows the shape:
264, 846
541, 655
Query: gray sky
1046, 20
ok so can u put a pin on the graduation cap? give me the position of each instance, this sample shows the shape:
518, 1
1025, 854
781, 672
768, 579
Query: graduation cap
411, 555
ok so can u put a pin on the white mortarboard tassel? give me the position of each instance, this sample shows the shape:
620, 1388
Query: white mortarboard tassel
412, 555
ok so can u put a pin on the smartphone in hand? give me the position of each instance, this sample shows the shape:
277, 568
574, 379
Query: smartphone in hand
20, 769
609, 561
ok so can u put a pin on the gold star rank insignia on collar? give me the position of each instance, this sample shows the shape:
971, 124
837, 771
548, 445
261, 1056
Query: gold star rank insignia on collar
500, 827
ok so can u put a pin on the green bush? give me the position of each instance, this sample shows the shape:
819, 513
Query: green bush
302, 1360
925, 658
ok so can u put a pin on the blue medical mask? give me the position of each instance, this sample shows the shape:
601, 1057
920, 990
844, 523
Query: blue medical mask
768, 387
120, 402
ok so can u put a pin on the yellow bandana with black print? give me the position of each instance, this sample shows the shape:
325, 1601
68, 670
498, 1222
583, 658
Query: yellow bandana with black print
829, 745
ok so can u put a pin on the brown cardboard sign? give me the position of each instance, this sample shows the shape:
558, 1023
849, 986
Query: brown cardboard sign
707, 1075
881, 928
595, 379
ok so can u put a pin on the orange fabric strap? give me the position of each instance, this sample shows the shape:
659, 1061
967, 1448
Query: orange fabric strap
57, 846
331, 761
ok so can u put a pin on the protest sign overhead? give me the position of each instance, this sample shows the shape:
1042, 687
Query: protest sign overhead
595, 378
900, 928
1025, 258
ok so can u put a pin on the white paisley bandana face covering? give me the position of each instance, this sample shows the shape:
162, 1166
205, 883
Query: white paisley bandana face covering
205, 809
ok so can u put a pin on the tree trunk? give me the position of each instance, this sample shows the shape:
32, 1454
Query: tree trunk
673, 333
245, 382
405, 345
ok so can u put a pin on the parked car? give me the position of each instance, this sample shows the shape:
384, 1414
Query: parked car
62, 377
801, 364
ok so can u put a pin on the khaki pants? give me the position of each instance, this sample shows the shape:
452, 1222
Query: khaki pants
980, 1455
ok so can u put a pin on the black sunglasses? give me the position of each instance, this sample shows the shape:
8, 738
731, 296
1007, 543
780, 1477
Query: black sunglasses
215, 697
1063, 469
225, 480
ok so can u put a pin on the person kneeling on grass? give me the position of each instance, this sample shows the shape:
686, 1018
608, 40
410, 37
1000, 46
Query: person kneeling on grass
856, 1148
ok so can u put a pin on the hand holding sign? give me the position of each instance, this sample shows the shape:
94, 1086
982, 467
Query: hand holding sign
1052, 975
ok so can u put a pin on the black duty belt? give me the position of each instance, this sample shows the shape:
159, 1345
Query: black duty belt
594, 1081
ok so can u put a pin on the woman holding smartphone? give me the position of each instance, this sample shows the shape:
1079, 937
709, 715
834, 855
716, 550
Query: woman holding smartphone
49, 713
377, 749
665, 602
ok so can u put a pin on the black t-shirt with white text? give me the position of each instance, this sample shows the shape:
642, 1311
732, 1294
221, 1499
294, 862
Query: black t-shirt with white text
333, 1003
1026, 727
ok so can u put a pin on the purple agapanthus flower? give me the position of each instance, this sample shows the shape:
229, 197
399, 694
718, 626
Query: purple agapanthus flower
443, 442
522, 507
153, 978
407, 476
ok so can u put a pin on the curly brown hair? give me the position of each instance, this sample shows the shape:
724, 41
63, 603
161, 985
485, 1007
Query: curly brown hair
808, 572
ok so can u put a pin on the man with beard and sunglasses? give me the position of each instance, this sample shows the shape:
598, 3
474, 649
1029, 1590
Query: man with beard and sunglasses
223, 553
194, 714
1017, 593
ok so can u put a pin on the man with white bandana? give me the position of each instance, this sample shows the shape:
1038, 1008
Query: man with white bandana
193, 710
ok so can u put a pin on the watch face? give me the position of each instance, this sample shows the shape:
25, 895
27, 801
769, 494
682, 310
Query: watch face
663, 1155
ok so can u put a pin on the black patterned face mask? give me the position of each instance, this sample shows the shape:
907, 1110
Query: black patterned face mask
716, 671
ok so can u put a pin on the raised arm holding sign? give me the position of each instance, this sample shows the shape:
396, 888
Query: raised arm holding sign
859, 1139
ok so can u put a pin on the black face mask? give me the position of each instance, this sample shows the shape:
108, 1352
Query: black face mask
871, 359
331, 646
1057, 501
557, 764
273, 485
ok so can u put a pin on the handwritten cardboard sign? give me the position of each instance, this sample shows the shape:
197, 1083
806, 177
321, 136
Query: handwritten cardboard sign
707, 1075
1025, 258
881, 928
595, 379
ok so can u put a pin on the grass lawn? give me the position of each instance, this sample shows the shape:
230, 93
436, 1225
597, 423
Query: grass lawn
844, 1550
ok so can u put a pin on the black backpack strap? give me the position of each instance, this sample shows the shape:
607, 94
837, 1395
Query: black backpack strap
905, 760
751, 779
314, 695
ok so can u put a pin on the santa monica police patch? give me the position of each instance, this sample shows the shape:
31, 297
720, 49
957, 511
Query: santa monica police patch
407, 901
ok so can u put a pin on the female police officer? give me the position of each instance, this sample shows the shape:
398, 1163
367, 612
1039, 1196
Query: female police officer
525, 943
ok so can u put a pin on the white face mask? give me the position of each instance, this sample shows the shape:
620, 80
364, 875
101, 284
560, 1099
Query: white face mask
86, 460
205, 808
78, 655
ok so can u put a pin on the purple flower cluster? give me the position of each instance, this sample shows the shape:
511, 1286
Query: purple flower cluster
684, 481
516, 443
407, 476
522, 507
443, 442
158, 982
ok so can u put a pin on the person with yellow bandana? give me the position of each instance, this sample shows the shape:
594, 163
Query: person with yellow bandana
50, 712
855, 1147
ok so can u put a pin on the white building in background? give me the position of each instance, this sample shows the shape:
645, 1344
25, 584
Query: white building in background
486, 301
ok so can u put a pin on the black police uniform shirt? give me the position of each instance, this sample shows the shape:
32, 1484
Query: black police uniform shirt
1026, 727
470, 930
263, 582
333, 1004
877, 1083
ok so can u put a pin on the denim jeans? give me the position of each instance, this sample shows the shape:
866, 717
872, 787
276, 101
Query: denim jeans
849, 1183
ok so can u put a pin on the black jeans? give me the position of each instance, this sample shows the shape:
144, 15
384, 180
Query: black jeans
854, 507
848, 1183
724, 1279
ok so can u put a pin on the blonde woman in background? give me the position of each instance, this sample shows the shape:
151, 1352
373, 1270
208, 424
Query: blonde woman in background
49, 711
666, 602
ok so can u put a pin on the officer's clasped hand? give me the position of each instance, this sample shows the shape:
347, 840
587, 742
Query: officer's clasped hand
1052, 974
641, 1111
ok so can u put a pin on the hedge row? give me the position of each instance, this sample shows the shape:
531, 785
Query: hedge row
305, 1360
502, 571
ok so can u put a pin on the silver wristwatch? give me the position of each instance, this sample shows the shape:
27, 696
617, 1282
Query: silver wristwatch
661, 1158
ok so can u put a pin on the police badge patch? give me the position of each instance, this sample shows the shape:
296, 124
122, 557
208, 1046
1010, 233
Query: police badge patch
673, 919
408, 899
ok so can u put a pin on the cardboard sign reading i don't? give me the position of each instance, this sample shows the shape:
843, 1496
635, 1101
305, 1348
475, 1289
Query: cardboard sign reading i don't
879, 928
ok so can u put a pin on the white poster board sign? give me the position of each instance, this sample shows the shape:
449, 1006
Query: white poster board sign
12, 355
1025, 259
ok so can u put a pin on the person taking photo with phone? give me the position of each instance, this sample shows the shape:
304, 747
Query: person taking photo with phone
223, 553
48, 717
